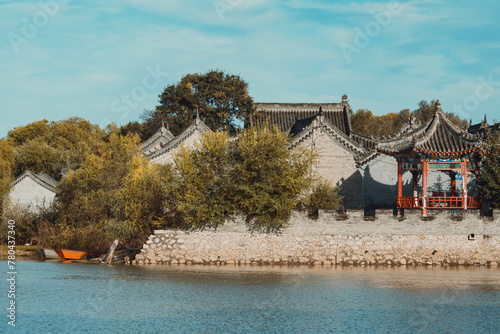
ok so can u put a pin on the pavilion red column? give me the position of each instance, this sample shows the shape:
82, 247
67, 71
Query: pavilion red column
400, 185
464, 184
453, 183
424, 187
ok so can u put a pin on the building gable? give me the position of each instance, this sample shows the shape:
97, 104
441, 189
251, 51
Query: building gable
33, 190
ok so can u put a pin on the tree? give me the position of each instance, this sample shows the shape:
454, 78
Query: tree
133, 128
91, 193
268, 177
39, 156
322, 196
255, 175
425, 111
489, 182
50, 147
221, 99
203, 194
363, 121
6, 170
34, 130
144, 194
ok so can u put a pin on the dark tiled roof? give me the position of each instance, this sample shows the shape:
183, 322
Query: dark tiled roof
285, 115
438, 136
483, 128
301, 124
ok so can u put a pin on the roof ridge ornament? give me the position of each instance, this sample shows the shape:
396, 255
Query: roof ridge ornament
438, 106
163, 129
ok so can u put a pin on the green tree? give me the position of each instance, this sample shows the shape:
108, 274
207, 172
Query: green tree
322, 196
91, 193
50, 147
144, 194
364, 122
255, 175
489, 182
268, 177
425, 111
39, 156
203, 191
222, 101
135, 128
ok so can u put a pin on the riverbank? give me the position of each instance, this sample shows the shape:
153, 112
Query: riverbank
22, 252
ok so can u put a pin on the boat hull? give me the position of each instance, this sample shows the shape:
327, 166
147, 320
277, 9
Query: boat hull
48, 253
68, 254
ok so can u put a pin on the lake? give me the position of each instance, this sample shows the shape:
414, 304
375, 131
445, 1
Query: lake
56, 297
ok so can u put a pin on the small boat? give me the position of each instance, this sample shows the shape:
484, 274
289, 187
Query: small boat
48, 253
68, 254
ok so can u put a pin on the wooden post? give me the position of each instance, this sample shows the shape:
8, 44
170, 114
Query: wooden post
464, 184
425, 171
109, 255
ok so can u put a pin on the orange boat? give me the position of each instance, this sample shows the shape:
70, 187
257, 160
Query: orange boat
67, 254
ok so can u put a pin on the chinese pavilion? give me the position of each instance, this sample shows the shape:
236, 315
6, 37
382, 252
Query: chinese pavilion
437, 147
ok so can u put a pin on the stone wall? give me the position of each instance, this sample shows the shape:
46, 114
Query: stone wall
331, 240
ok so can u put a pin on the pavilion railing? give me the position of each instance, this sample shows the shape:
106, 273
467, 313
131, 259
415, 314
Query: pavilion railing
437, 202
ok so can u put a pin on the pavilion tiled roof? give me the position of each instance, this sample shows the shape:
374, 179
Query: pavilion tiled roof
438, 136
285, 115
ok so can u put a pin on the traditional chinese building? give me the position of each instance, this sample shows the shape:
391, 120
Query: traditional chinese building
162, 146
326, 129
439, 152
34, 191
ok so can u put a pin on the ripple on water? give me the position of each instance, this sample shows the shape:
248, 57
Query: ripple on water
74, 298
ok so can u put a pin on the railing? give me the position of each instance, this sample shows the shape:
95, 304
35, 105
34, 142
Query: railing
437, 202
473, 203
409, 202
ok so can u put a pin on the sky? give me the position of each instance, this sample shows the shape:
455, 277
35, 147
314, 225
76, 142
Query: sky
107, 61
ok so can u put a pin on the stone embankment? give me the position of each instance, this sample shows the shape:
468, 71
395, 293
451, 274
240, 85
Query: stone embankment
335, 241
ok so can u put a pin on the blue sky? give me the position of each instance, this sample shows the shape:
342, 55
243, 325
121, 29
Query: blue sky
107, 61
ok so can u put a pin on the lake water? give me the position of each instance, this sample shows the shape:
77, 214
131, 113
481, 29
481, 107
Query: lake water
55, 297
